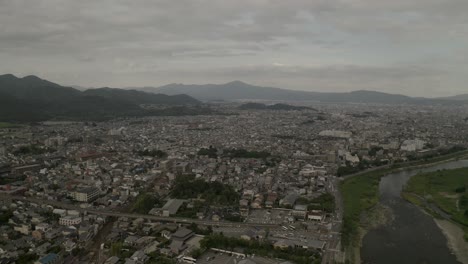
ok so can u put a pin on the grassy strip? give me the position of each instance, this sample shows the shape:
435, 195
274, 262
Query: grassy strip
360, 193
8, 125
447, 189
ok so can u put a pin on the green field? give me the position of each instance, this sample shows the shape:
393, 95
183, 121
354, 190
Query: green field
360, 193
7, 125
448, 189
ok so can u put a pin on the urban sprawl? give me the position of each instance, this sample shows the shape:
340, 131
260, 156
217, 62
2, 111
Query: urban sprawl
241, 187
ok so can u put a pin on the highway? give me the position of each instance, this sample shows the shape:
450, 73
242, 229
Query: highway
104, 212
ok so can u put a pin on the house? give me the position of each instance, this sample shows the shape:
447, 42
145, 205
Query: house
143, 241
50, 258
131, 240
42, 249
152, 247
37, 234
69, 245
316, 215
52, 233
289, 199
23, 229
270, 200
249, 234
112, 260
42, 227
283, 244
138, 257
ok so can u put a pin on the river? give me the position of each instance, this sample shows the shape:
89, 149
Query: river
412, 237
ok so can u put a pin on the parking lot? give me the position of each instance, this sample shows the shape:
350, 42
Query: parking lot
273, 216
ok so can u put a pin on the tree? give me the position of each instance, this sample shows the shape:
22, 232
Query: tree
26, 258
116, 248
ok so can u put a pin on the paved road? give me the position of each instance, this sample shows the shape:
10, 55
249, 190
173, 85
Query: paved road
332, 250
104, 212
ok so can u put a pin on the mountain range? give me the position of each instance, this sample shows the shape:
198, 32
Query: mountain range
238, 90
259, 106
33, 99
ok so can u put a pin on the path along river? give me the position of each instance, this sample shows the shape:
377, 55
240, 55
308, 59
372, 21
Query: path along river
412, 237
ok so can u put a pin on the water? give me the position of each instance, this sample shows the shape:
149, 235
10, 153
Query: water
412, 237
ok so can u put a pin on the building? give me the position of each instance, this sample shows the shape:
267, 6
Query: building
138, 257
50, 258
179, 240
289, 199
55, 141
412, 145
300, 211
316, 216
37, 234
335, 134
170, 208
70, 220
112, 260
86, 194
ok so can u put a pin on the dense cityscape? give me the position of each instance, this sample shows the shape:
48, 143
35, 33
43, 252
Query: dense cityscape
252, 186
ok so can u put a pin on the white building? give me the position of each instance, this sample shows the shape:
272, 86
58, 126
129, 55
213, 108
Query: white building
335, 134
70, 220
86, 194
412, 145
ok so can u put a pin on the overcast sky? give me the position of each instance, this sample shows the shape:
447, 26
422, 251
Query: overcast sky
413, 47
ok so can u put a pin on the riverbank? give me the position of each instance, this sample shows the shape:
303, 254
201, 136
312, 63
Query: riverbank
360, 194
443, 195
454, 234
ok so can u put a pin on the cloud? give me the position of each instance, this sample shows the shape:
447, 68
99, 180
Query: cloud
410, 43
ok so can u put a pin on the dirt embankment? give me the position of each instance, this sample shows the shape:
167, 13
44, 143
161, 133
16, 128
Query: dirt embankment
456, 242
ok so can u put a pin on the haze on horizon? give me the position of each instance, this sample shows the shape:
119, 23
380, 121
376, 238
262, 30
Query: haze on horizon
417, 48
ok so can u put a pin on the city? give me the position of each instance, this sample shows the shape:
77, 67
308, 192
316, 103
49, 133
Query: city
161, 187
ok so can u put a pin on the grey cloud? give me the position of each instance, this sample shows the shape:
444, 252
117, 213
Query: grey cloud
151, 42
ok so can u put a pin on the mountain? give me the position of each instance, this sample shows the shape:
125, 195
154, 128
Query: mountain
460, 97
140, 97
33, 99
230, 91
259, 106
79, 88
238, 90
34, 88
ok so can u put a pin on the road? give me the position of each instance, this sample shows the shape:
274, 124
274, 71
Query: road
332, 252
104, 212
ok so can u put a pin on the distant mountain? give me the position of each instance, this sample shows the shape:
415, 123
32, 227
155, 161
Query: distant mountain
460, 97
241, 91
34, 88
140, 97
259, 106
34, 99
79, 88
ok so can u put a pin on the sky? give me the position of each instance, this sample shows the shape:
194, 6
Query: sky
412, 47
